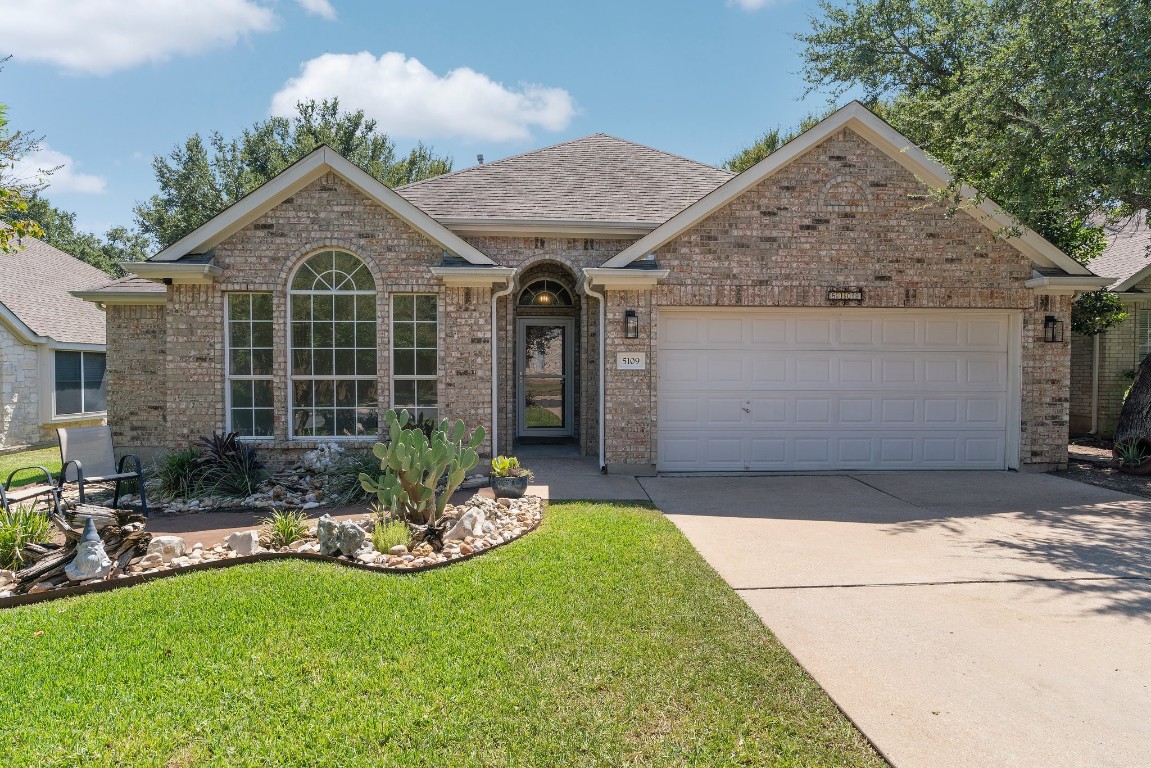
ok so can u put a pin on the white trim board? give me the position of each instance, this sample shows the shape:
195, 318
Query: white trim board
885, 138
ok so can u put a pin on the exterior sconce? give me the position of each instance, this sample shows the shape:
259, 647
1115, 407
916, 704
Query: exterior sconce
630, 324
1052, 329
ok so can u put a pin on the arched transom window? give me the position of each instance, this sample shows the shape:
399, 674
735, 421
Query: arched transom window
545, 293
332, 306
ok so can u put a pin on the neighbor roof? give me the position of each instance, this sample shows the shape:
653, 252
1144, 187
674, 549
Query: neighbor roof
595, 179
1126, 255
35, 289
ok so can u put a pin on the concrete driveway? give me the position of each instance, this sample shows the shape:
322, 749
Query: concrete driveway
959, 618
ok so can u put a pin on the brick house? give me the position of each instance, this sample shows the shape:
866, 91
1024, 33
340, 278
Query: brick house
814, 312
51, 345
1103, 366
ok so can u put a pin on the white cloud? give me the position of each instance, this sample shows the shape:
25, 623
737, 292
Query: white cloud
751, 5
66, 178
102, 36
321, 8
411, 101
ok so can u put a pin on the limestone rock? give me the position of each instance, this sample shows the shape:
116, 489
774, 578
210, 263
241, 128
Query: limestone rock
167, 547
338, 538
151, 560
469, 524
91, 561
8, 577
398, 550
244, 543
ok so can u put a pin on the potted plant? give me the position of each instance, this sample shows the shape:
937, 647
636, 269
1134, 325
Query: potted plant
509, 479
1133, 456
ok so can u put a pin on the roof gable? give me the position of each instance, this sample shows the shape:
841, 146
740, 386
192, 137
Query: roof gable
597, 179
294, 178
35, 295
885, 138
1127, 257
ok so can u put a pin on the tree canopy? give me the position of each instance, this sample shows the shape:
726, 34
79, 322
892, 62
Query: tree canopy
58, 229
199, 179
767, 144
14, 222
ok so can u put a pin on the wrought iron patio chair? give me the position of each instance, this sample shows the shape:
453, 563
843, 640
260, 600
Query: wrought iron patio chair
87, 456
34, 491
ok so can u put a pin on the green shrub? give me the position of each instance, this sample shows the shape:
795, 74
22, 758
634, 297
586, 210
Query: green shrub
388, 533
178, 473
20, 526
229, 466
342, 481
286, 527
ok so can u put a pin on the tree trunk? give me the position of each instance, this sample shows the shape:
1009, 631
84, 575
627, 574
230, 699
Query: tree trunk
1135, 418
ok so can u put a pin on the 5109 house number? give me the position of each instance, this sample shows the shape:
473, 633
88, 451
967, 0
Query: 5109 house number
631, 361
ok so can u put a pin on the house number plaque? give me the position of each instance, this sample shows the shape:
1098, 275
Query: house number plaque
631, 361
845, 294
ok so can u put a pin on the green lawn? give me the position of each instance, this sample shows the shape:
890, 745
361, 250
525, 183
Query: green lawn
601, 639
49, 458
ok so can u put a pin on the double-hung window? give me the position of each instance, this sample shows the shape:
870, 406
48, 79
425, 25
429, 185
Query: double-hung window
250, 402
79, 385
332, 348
415, 352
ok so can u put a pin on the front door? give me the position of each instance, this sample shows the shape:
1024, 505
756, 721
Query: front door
544, 374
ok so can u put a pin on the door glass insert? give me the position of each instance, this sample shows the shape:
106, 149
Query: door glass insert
544, 366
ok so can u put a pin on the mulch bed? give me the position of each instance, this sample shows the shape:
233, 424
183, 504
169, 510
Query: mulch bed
1089, 461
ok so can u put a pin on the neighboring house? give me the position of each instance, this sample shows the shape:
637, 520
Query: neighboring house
1103, 367
814, 312
51, 345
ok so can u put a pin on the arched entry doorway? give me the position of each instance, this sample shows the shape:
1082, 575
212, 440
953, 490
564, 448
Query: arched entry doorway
546, 359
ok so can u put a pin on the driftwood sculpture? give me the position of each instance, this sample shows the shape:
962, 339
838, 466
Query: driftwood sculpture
121, 531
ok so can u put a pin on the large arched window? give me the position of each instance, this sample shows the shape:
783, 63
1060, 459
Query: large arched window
332, 305
545, 293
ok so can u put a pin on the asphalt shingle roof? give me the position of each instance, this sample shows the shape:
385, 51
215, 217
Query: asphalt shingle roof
34, 286
595, 179
1127, 249
129, 284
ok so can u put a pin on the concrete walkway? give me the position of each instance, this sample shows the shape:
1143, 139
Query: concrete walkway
960, 619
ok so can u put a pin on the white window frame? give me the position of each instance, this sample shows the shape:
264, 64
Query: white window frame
229, 377
1142, 333
293, 378
83, 412
414, 377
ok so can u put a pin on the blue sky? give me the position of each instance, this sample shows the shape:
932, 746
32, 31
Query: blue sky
110, 83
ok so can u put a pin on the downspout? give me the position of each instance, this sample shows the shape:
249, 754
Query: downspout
496, 296
1095, 385
602, 366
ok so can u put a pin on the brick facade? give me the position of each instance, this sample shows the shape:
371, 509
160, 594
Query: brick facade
842, 214
1119, 357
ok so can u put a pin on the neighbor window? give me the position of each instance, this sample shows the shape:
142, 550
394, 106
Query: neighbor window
80, 383
333, 348
250, 405
1143, 331
415, 349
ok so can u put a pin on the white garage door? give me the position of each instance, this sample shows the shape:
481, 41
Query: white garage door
770, 390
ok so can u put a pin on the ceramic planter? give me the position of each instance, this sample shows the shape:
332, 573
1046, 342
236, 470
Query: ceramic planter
509, 487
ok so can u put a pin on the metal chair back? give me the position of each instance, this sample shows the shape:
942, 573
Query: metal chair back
91, 446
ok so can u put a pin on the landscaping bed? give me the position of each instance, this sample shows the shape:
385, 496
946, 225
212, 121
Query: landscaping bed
1090, 461
601, 639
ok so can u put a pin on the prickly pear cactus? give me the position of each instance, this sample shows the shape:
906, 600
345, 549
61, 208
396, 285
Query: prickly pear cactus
413, 463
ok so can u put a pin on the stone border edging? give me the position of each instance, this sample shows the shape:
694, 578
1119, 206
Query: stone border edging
143, 578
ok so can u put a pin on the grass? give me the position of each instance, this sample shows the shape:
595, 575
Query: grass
602, 639
49, 458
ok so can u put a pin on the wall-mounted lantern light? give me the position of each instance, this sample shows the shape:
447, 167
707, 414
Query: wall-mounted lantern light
630, 324
1052, 329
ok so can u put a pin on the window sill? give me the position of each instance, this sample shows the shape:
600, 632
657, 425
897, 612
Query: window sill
70, 417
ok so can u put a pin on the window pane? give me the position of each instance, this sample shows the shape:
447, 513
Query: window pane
426, 393
241, 334
405, 363
301, 335
405, 394
68, 395
345, 362
366, 335
325, 393
262, 394
345, 394
305, 277
241, 363
238, 306
301, 362
261, 362
242, 421
366, 362
322, 336
262, 422
366, 394
425, 307
302, 394
404, 307
362, 279
262, 335
426, 335
345, 307
345, 335
323, 307
322, 362
241, 394
366, 308
301, 307
261, 306
95, 395
367, 421
404, 336
425, 362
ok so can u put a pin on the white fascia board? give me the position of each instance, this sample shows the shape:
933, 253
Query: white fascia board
474, 277
528, 227
299, 175
122, 297
1066, 285
625, 279
889, 141
179, 274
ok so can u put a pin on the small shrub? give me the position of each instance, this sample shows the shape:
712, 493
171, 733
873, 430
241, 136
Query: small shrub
20, 526
230, 467
509, 466
177, 474
342, 481
1131, 454
286, 527
388, 533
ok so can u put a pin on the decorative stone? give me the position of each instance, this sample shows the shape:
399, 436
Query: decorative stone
151, 560
91, 561
244, 543
312, 505
8, 577
339, 538
398, 550
168, 547
469, 524
466, 549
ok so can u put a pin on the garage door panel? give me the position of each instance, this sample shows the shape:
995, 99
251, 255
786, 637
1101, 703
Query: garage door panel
772, 390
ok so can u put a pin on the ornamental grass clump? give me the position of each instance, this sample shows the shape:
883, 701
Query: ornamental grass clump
414, 464
19, 527
229, 467
177, 474
285, 527
342, 480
